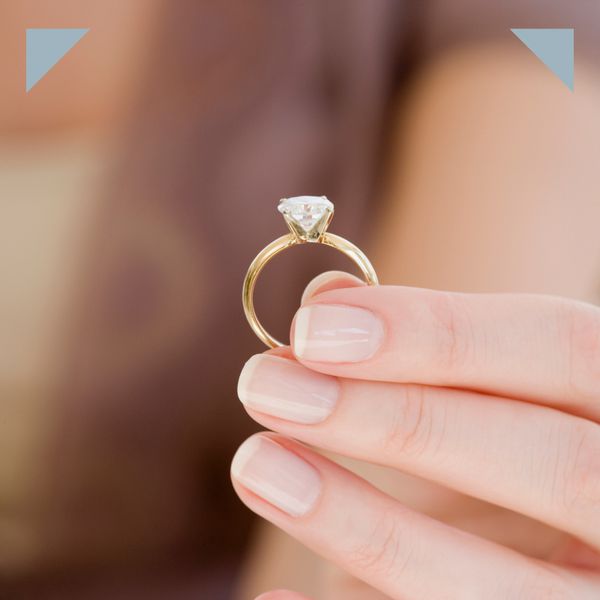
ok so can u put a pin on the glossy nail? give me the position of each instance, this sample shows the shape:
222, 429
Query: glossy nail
277, 475
284, 388
336, 333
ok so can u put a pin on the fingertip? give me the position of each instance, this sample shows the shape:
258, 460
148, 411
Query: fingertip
330, 280
282, 351
276, 473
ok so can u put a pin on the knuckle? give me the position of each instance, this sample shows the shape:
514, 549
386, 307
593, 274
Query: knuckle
543, 583
550, 471
409, 430
580, 324
453, 341
381, 552
582, 488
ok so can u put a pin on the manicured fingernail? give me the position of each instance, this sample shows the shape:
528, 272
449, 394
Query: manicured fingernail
284, 388
336, 333
276, 475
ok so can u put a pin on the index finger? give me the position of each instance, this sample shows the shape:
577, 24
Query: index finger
540, 348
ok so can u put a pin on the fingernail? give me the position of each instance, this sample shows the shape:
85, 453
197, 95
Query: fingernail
335, 333
284, 388
276, 475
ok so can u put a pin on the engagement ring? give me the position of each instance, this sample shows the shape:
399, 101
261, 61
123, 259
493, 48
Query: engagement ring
307, 218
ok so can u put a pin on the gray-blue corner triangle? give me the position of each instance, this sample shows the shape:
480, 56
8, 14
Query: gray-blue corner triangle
44, 48
554, 47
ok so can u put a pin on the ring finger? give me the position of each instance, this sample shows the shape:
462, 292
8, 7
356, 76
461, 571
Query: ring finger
400, 552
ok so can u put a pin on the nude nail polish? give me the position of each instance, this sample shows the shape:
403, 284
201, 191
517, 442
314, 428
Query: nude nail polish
336, 333
277, 475
286, 389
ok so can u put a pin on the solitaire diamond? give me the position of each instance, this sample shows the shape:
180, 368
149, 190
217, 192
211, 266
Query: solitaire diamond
307, 216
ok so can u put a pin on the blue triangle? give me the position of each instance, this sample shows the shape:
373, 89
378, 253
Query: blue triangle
45, 47
554, 47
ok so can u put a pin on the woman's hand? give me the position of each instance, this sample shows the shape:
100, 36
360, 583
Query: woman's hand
495, 396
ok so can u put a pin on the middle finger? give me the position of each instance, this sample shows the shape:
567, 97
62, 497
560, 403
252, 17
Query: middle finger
525, 457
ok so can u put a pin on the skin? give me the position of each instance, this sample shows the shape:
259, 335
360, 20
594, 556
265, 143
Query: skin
417, 244
539, 459
500, 228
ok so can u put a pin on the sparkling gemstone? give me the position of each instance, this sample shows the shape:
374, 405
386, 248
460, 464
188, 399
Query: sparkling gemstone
309, 212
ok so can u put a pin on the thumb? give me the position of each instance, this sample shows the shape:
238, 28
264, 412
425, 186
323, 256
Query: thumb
330, 280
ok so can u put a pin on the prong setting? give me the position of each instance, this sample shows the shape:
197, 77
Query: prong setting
307, 216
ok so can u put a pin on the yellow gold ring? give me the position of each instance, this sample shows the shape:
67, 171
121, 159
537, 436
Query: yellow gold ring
307, 218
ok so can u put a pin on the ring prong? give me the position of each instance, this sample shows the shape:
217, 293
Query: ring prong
307, 216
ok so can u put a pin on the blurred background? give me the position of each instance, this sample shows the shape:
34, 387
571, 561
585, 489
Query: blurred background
140, 177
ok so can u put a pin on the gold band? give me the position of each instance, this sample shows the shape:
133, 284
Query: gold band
275, 247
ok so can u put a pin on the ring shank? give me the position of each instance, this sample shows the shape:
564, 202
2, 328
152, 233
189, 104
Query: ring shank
355, 254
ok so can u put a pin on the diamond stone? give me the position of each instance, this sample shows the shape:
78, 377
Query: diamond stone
309, 214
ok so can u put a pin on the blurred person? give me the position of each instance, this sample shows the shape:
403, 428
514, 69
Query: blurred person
125, 335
